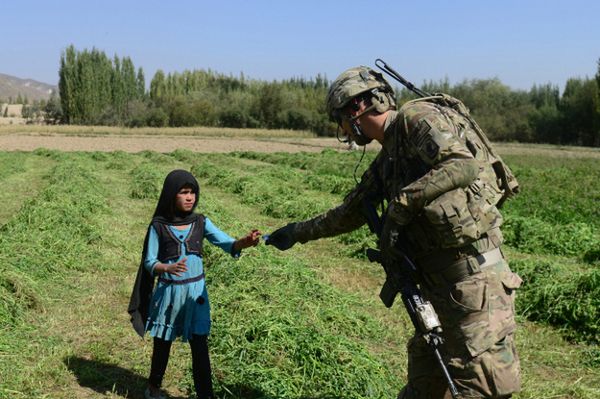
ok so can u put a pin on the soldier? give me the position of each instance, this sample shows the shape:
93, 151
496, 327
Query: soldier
435, 174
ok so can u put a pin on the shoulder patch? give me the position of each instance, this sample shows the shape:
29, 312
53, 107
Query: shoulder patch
423, 129
430, 148
424, 141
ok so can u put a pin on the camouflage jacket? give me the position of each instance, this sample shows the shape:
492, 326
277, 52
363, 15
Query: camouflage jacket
434, 172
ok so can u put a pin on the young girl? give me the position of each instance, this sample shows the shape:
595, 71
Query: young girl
179, 305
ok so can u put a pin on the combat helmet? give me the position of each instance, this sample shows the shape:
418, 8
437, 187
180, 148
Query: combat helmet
354, 82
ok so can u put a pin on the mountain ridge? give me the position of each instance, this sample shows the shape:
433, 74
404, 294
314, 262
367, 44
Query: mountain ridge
12, 87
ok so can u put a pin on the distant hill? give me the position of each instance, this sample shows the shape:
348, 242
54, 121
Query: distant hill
11, 86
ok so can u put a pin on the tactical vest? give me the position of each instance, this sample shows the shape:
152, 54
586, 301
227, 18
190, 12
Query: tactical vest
477, 142
463, 216
170, 246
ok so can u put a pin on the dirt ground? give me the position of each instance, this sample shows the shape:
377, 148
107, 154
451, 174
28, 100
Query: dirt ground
28, 142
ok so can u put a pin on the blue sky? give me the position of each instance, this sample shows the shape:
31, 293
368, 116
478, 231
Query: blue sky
520, 42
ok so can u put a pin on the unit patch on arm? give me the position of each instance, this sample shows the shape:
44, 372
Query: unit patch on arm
424, 141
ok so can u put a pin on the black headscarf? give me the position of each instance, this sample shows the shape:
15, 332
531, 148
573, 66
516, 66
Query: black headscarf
166, 212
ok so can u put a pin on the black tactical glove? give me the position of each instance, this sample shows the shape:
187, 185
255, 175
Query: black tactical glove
282, 238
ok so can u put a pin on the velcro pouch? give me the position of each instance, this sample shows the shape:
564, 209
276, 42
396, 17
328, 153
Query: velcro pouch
452, 223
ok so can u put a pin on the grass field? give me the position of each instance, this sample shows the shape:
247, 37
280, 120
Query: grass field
305, 323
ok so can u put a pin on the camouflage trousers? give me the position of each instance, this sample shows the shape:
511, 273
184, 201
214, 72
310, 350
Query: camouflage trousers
477, 315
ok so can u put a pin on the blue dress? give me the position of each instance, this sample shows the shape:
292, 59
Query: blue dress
180, 310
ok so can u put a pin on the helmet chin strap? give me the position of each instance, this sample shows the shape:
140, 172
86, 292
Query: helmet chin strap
359, 136
353, 132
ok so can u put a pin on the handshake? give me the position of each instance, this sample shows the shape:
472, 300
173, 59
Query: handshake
282, 238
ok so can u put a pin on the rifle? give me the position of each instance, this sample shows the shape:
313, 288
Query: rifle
399, 280
390, 71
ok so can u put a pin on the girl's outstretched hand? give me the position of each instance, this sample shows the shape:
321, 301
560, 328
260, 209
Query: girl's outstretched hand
249, 240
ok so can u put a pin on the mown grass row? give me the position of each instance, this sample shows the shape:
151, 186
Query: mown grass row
11, 163
327, 171
328, 162
555, 214
278, 192
295, 187
557, 211
561, 292
280, 332
53, 235
22, 176
546, 232
549, 389
557, 190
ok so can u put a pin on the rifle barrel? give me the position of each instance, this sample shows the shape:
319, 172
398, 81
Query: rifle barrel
451, 386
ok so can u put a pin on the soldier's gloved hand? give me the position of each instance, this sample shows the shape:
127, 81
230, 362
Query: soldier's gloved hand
400, 209
282, 238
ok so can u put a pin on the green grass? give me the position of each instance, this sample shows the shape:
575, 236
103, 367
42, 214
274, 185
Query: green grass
557, 212
278, 192
565, 227
22, 176
11, 163
305, 323
557, 190
561, 292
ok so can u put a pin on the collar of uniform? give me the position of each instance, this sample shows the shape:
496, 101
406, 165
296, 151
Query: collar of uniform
389, 130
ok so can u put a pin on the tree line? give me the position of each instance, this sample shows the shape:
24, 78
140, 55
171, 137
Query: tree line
95, 89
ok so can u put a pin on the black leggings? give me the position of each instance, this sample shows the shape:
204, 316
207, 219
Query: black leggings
200, 364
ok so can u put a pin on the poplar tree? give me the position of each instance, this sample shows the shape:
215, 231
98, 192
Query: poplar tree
140, 84
86, 94
158, 86
67, 84
118, 87
128, 78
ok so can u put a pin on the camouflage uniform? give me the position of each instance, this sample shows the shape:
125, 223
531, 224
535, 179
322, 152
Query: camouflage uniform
442, 193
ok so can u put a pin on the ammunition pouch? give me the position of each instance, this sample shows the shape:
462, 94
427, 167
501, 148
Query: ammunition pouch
461, 216
451, 222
